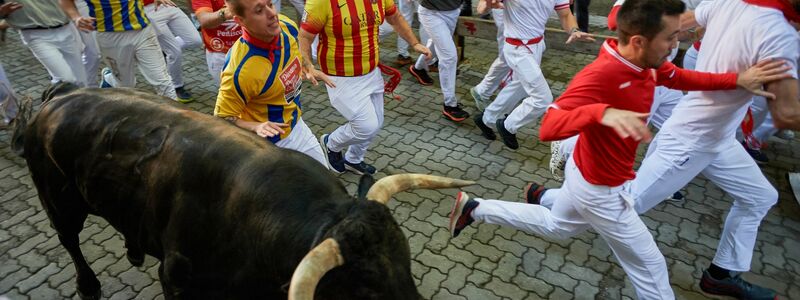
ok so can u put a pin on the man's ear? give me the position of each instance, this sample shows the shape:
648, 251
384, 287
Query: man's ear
639, 41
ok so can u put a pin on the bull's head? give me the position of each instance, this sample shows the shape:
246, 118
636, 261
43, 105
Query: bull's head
369, 247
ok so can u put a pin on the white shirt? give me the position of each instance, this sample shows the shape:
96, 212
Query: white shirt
738, 35
526, 19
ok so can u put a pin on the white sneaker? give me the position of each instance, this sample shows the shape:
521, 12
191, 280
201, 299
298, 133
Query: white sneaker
557, 161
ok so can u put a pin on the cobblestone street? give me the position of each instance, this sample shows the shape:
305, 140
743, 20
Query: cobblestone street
489, 262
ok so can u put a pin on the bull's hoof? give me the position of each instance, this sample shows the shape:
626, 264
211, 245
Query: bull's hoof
94, 296
135, 260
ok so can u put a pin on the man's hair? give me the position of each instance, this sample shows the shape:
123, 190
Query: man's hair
235, 7
643, 17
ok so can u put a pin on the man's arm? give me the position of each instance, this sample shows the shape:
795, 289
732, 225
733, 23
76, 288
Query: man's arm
211, 19
752, 79
785, 109
570, 25
403, 30
83, 23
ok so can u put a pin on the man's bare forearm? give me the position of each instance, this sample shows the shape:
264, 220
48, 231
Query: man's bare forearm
785, 109
306, 39
68, 6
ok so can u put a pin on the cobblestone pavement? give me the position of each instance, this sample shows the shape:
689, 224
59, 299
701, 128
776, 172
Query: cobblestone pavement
485, 262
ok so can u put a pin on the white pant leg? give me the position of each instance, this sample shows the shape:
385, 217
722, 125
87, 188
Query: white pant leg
151, 64
407, 9
91, 52
690, 58
527, 70
8, 102
360, 100
664, 101
125, 50
166, 40
215, 61
440, 25
301, 139
499, 69
277, 5
763, 127
298, 6
59, 50
753, 195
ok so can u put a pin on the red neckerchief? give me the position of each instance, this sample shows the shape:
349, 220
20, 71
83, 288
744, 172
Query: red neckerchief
783, 5
272, 45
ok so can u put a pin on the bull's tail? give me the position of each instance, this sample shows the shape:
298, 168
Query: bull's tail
57, 89
20, 125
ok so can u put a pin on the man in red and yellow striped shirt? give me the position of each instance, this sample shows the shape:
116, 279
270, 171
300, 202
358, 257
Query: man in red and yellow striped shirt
348, 54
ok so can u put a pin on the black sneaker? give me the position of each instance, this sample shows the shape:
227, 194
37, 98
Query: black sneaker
183, 95
736, 287
403, 60
461, 214
509, 138
359, 168
757, 155
335, 159
456, 113
533, 193
421, 75
486, 132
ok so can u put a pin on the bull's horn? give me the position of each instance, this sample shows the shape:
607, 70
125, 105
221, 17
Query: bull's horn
383, 190
314, 265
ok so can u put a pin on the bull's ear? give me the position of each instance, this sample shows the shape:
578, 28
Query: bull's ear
364, 184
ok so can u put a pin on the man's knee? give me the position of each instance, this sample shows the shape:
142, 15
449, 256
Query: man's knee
366, 130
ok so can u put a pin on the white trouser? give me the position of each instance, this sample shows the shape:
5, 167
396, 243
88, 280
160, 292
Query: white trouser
407, 9
763, 126
360, 100
8, 100
528, 85
581, 205
59, 50
298, 6
664, 100
91, 52
440, 25
301, 139
498, 71
672, 165
215, 61
128, 49
175, 32
690, 58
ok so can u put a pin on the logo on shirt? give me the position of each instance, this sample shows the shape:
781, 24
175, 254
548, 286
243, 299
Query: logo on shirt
624, 85
290, 77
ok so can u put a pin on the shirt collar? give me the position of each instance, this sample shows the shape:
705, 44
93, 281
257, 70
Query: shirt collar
271, 45
610, 47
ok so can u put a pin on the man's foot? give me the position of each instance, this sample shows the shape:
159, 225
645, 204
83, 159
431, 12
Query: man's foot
676, 196
486, 132
557, 160
455, 114
533, 193
106, 78
509, 138
334, 159
403, 60
461, 214
421, 75
480, 103
734, 286
359, 168
757, 155
183, 95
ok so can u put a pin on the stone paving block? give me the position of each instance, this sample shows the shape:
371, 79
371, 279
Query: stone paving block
430, 283
17, 218
12, 279
560, 293
37, 278
150, 291
557, 278
554, 257
64, 274
505, 289
435, 261
27, 245
586, 291
505, 245
135, 278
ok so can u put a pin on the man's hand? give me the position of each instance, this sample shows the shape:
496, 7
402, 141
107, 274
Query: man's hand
497, 4
85, 23
7, 8
163, 2
578, 35
312, 74
763, 72
270, 129
421, 49
627, 124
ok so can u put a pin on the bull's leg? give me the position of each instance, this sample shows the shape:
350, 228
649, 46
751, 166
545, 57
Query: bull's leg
135, 254
174, 275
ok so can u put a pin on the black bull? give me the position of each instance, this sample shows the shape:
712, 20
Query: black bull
228, 214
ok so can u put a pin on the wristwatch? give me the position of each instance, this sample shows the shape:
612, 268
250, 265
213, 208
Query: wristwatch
222, 15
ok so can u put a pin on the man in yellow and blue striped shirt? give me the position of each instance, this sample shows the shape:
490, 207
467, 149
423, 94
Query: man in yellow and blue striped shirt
260, 84
126, 41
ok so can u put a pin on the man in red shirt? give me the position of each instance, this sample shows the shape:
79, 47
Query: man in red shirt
607, 103
220, 32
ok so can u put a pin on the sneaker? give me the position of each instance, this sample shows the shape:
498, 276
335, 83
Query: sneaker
421, 75
677, 196
334, 159
480, 103
785, 134
403, 60
106, 78
455, 114
736, 287
557, 161
757, 155
533, 193
461, 215
486, 132
509, 138
434, 68
183, 95
359, 168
